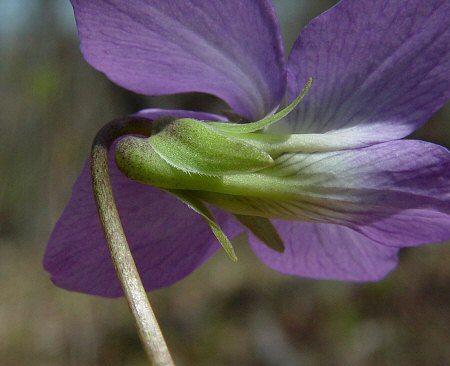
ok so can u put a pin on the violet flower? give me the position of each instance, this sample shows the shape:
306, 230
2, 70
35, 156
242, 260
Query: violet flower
351, 197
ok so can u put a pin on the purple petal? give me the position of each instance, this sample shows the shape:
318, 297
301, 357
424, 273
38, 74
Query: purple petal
380, 69
396, 193
326, 251
231, 49
410, 227
168, 239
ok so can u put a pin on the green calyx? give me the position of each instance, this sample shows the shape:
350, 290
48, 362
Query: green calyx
196, 147
215, 162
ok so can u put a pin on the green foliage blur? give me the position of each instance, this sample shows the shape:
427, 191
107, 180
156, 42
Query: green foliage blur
51, 105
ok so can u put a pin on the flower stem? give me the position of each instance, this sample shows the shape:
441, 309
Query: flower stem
149, 331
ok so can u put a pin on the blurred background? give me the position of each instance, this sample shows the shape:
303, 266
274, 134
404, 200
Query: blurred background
52, 103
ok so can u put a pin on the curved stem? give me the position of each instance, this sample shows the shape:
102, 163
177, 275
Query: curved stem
149, 331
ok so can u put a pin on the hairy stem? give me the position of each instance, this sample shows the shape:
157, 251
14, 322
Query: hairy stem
149, 331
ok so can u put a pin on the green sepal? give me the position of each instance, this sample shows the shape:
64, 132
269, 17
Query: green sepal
199, 207
197, 147
255, 126
264, 230
278, 144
